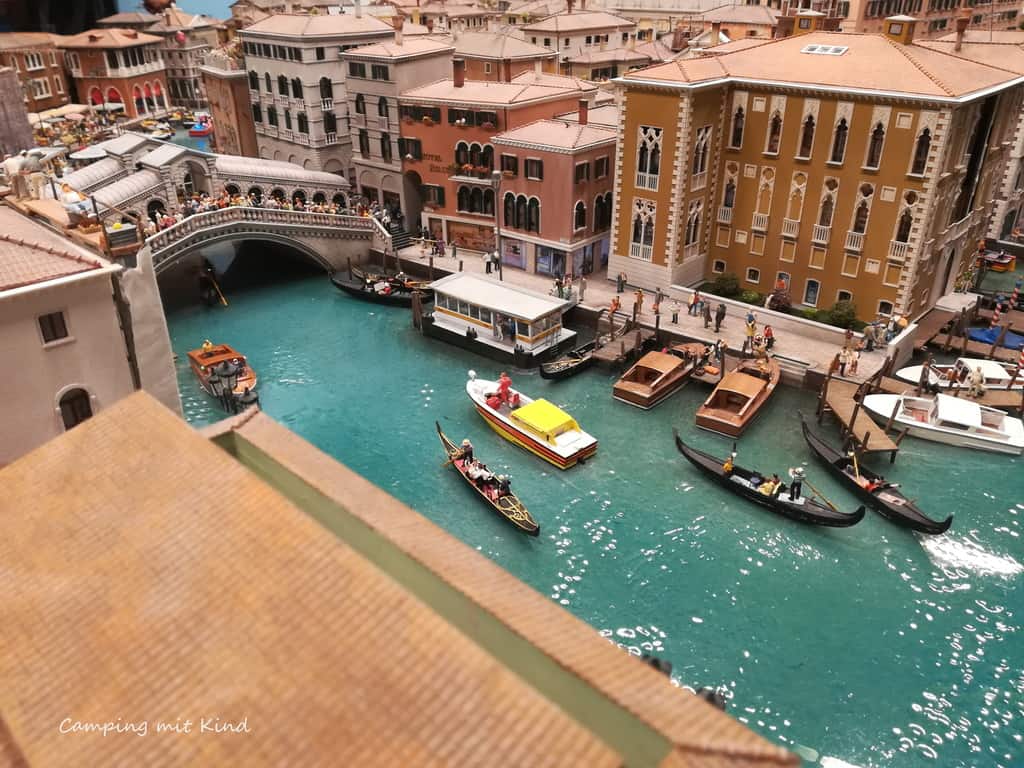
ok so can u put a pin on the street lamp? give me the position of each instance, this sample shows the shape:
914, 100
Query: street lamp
496, 184
248, 398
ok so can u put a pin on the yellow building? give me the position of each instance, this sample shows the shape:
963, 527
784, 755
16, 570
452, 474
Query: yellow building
855, 167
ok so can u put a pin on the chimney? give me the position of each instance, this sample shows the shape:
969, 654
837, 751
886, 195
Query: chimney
359, 9
506, 66
962, 20
900, 29
584, 112
459, 72
632, 42
716, 31
398, 22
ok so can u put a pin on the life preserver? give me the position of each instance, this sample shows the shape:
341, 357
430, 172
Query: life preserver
235, 361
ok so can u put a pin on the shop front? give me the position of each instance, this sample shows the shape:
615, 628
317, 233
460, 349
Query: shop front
513, 253
550, 261
474, 237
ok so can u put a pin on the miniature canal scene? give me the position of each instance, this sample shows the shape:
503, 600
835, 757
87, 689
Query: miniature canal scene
577, 385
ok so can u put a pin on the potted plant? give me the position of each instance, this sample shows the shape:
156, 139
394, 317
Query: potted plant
482, 171
508, 174
488, 126
428, 120
467, 169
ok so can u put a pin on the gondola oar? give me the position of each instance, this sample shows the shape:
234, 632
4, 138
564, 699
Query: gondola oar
822, 495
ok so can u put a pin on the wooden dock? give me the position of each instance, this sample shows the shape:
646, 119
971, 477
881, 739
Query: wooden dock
928, 327
842, 398
623, 347
968, 348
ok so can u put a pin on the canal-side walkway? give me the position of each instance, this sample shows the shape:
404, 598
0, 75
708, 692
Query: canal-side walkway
791, 342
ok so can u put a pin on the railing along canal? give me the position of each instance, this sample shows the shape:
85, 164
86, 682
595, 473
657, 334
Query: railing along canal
162, 241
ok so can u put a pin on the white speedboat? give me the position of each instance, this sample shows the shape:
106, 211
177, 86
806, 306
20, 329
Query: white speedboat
536, 425
995, 375
951, 420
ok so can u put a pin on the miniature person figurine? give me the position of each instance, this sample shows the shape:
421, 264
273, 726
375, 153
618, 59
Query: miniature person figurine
719, 317
639, 300
12, 169
796, 476
769, 337
467, 451
977, 379
707, 313
504, 384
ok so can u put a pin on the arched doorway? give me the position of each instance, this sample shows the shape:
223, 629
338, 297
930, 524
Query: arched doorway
158, 95
299, 195
114, 100
277, 194
231, 189
75, 407
155, 209
197, 180
256, 194
339, 200
148, 91
319, 198
139, 100
95, 96
412, 183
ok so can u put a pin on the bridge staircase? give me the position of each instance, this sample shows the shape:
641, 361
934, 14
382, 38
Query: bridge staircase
399, 237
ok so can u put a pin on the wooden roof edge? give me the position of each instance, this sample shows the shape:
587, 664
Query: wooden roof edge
684, 721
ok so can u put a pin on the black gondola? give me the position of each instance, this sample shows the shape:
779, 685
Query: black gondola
506, 504
743, 482
369, 290
885, 498
570, 363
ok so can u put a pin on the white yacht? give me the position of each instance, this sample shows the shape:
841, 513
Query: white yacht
950, 420
996, 375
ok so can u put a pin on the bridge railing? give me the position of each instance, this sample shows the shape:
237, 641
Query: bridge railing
241, 213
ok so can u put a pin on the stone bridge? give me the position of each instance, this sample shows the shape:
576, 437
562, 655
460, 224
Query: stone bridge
328, 239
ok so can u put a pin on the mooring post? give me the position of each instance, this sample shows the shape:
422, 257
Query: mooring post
892, 416
856, 409
999, 339
349, 267
823, 394
460, 265
430, 268
657, 328
417, 311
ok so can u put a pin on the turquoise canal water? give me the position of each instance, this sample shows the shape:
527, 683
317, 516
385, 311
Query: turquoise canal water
867, 646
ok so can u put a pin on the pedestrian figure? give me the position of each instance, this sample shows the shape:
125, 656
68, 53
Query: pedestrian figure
583, 286
750, 332
694, 301
769, 337
848, 338
487, 262
455, 250
675, 311
639, 300
620, 282
719, 316
796, 476
707, 313
844, 360
855, 358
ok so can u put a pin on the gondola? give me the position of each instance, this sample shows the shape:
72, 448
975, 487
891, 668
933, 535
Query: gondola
570, 363
803, 509
886, 499
368, 290
508, 506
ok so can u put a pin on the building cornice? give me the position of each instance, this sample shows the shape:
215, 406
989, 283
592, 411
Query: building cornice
816, 88
610, 141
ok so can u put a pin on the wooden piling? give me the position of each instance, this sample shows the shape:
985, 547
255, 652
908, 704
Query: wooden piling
349, 267
430, 268
657, 328
822, 395
999, 340
417, 311
460, 265
892, 416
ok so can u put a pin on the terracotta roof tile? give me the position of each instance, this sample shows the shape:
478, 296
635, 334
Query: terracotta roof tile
491, 45
16, 40
114, 37
869, 63
320, 25
30, 253
557, 135
579, 21
202, 608
525, 87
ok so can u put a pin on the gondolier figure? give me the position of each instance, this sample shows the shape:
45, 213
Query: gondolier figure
467, 451
796, 476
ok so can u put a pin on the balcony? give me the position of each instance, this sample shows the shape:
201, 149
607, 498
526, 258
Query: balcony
790, 228
698, 181
898, 250
332, 138
327, 104
383, 122
725, 215
646, 180
821, 234
759, 222
640, 251
854, 241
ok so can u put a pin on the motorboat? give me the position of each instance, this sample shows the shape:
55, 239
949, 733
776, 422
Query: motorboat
999, 261
538, 426
657, 375
739, 396
201, 129
995, 374
950, 420
204, 360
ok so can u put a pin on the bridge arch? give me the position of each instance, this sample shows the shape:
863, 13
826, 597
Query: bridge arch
294, 244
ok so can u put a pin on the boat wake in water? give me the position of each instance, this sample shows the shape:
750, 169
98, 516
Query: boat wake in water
951, 552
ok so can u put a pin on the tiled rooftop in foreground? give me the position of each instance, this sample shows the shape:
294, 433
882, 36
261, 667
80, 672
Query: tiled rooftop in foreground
151, 573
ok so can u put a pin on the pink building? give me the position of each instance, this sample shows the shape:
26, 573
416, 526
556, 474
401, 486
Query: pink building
556, 195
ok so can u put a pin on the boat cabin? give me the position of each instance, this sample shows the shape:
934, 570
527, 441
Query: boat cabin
545, 420
735, 392
204, 359
652, 367
994, 374
955, 413
495, 318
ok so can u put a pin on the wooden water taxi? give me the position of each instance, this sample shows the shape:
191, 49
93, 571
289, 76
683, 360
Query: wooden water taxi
999, 261
540, 427
657, 375
873, 488
950, 420
995, 374
505, 503
750, 485
204, 359
739, 397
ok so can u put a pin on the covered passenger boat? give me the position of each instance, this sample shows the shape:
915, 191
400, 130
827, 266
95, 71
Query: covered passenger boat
657, 375
994, 374
501, 321
540, 427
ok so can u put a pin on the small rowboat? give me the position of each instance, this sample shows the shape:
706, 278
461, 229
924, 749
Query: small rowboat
200, 129
536, 425
875, 491
746, 483
507, 505
570, 363
379, 291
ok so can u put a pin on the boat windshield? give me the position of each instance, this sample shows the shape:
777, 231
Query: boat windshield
641, 374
